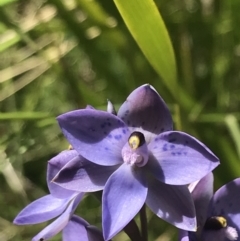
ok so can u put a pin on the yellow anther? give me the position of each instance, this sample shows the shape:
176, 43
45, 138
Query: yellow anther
70, 147
134, 142
215, 223
222, 221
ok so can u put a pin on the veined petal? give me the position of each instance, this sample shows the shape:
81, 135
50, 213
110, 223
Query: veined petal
60, 223
83, 175
123, 196
41, 210
54, 165
75, 229
173, 204
202, 194
96, 135
225, 202
145, 108
178, 158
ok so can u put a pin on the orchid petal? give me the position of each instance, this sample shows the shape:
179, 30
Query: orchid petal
178, 158
41, 210
123, 196
90, 107
202, 194
145, 108
60, 223
75, 228
173, 204
225, 202
96, 135
54, 165
184, 235
83, 175
110, 108
78, 227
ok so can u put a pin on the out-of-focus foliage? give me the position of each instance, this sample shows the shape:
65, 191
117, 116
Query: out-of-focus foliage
149, 31
57, 56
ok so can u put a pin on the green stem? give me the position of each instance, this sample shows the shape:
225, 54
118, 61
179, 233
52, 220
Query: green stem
132, 231
144, 228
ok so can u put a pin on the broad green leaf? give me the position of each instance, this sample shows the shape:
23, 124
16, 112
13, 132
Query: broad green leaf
148, 29
233, 127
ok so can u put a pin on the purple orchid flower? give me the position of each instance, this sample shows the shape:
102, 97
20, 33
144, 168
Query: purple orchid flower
202, 192
61, 203
138, 141
218, 214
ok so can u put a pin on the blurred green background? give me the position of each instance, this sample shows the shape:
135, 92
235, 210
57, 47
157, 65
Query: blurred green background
57, 56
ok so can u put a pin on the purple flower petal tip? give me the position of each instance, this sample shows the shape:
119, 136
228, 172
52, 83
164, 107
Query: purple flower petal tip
96, 135
41, 210
123, 196
54, 166
226, 201
81, 175
111, 108
179, 159
173, 204
145, 108
61, 222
